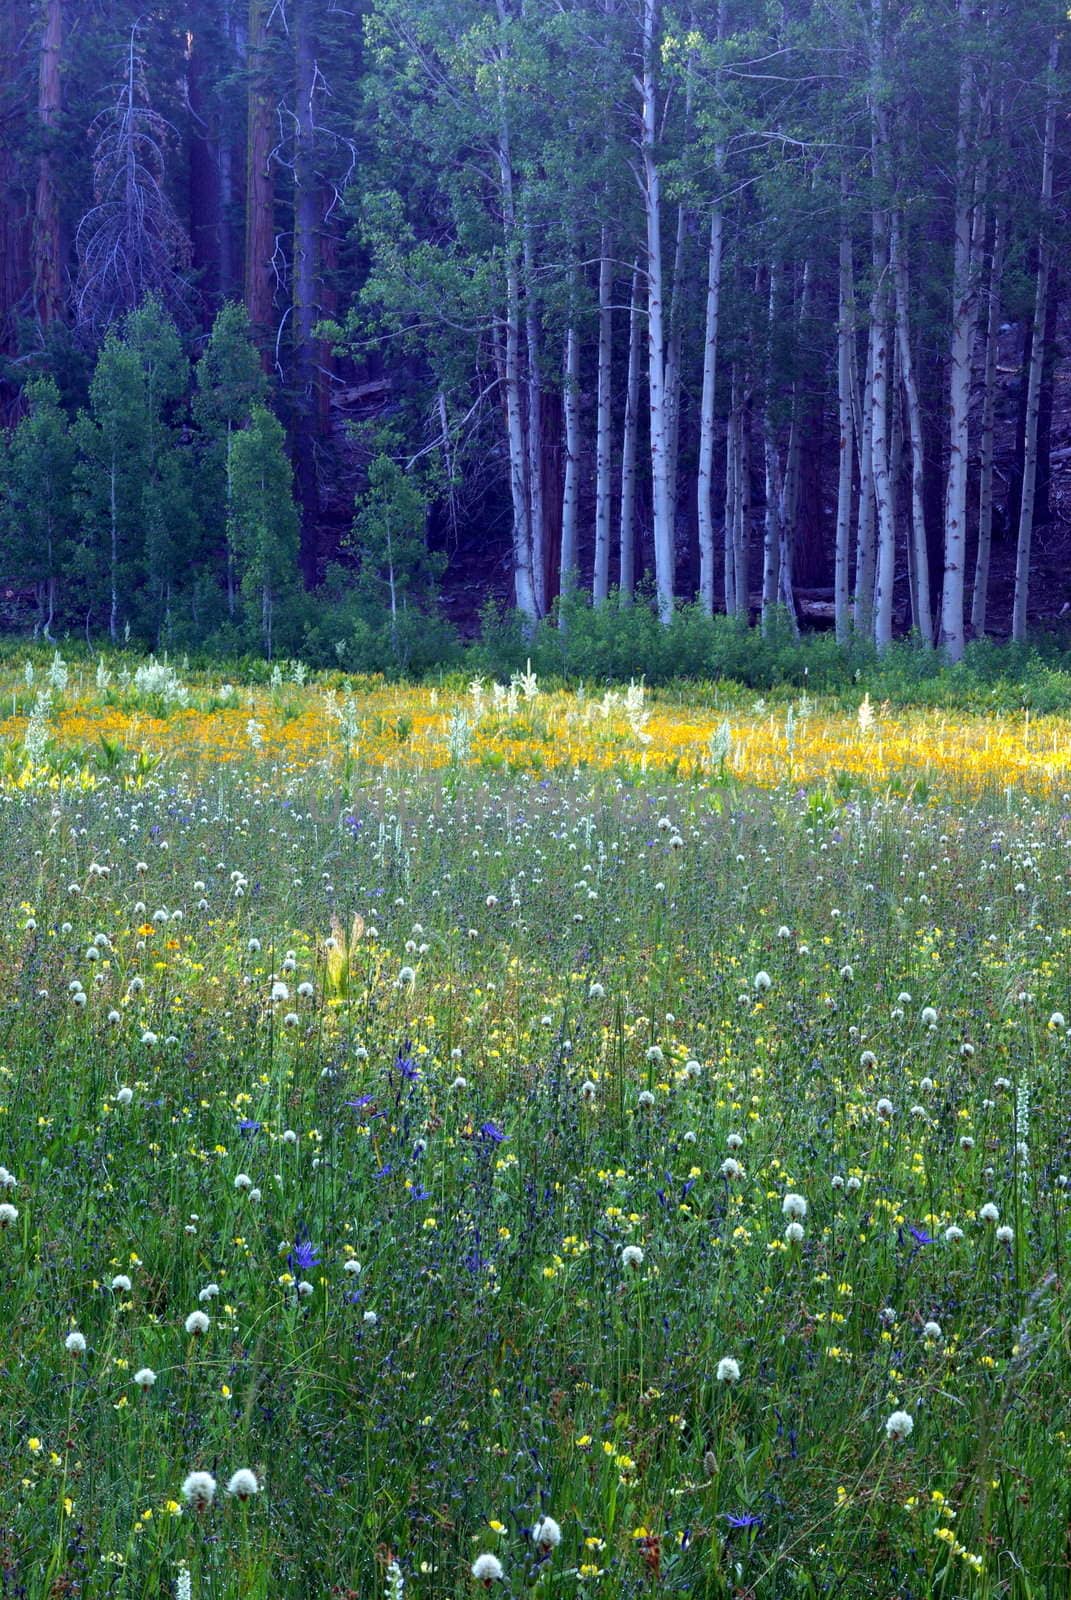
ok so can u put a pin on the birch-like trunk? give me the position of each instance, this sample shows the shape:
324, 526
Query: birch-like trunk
742, 520
864, 536
523, 576
629, 438
959, 387
706, 412
534, 432
571, 480
922, 608
845, 336
885, 566
600, 585
731, 474
1037, 362
656, 370
980, 596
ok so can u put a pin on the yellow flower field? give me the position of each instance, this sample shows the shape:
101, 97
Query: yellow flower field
371, 723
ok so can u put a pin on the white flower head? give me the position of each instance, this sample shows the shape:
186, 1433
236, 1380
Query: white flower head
989, 1212
197, 1323
243, 1484
9, 1214
487, 1568
762, 982
145, 1377
199, 1490
899, 1426
75, 1343
632, 1256
794, 1206
728, 1370
794, 1233
547, 1534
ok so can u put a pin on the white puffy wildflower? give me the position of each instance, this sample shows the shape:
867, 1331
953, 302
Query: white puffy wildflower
547, 1534
928, 1017
899, 1426
121, 1283
762, 982
199, 1490
728, 1370
731, 1169
9, 1214
145, 1377
931, 1330
794, 1233
953, 1234
989, 1212
197, 1323
632, 1256
243, 1484
794, 1206
1004, 1234
487, 1568
75, 1343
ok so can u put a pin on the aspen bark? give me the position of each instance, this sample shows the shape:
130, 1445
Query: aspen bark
571, 488
656, 370
845, 337
922, 609
629, 439
980, 595
1037, 362
952, 635
706, 411
600, 585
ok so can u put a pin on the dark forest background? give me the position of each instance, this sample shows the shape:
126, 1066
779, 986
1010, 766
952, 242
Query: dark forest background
327, 324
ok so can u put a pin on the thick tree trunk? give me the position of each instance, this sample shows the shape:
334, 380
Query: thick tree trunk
952, 616
537, 487
600, 586
571, 488
629, 440
980, 596
260, 184
1037, 362
706, 411
845, 338
864, 537
305, 279
47, 244
656, 370
921, 607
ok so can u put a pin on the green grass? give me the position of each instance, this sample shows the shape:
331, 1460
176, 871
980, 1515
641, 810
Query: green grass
515, 1366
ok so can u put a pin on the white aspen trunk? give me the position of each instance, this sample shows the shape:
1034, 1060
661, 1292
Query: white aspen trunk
629, 437
845, 337
600, 583
706, 412
980, 595
771, 539
771, 533
742, 521
523, 577
571, 482
921, 604
864, 537
952, 635
534, 432
885, 568
731, 475
673, 376
1037, 363
656, 373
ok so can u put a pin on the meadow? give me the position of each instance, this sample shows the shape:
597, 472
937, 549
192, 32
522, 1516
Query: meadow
479, 1138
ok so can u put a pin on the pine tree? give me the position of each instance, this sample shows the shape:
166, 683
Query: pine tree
265, 518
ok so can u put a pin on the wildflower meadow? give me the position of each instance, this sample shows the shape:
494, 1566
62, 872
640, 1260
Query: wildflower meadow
481, 1138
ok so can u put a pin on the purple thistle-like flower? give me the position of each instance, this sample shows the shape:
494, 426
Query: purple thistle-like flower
746, 1519
492, 1132
304, 1256
920, 1236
